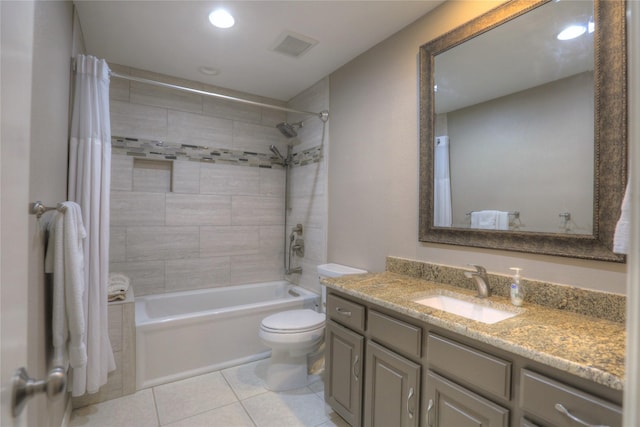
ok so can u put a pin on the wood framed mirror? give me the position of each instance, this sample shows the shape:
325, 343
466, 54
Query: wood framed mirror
540, 218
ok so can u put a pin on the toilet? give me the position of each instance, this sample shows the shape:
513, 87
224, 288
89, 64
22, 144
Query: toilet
293, 334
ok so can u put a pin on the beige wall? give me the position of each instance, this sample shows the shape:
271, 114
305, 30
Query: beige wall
52, 52
373, 166
527, 152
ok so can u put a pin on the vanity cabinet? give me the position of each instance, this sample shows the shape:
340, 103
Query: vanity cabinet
557, 404
343, 378
451, 405
392, 391
385, 368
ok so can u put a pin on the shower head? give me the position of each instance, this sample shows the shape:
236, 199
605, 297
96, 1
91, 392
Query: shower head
289, 130
275, 151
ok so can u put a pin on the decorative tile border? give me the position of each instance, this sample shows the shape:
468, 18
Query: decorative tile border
598, 304
160, 150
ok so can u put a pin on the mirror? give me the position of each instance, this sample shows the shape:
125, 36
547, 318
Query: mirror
523, 136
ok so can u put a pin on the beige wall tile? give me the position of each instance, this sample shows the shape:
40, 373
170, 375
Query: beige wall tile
233, 240
162, 243
138, 121
272, 239
229, 179
117, 244
119, 88
257, 138
157, 96
272, 182
188, 128
186, 176
121, 172
198, 209
196, 273
307, 180
248, 210
231, 110
115, 326
147, 277
256, 268
137, 208
152, 176
309, 211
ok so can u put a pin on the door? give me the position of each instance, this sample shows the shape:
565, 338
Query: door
451, 405
393, 389
343, 388
17, 45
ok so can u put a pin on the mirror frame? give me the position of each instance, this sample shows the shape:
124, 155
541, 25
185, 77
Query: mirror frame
610, 140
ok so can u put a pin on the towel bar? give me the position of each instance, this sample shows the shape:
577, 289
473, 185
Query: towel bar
38, 208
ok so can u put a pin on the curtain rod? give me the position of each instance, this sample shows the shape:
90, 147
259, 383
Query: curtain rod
323, 115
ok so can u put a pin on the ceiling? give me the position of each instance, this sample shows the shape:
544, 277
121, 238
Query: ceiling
175, 38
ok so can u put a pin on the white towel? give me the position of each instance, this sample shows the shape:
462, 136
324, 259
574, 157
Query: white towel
490, 220
623, 227
118, 284
65, 260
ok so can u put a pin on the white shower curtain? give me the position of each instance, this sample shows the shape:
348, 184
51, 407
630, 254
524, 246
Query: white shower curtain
89, 186
441, 183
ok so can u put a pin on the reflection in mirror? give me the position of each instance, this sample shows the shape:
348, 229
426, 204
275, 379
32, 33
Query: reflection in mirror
513, 121
520, 142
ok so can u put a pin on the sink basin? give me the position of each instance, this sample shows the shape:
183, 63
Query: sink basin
470, 310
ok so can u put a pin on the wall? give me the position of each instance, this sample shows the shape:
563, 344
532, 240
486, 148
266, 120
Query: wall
182, 224
307, 183
373, 166
498, 165
52, 52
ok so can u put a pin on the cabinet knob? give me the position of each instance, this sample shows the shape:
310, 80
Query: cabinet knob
560, 408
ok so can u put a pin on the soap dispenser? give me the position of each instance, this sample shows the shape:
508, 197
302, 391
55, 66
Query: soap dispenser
516, 291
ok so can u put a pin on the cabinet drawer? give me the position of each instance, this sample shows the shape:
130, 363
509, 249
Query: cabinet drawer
467, 364
346, 312
397, 334
541, 395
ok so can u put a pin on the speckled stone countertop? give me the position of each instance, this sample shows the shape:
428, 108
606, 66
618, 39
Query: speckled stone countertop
584, 346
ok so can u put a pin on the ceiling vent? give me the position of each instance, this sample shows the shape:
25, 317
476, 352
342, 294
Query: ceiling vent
293, 44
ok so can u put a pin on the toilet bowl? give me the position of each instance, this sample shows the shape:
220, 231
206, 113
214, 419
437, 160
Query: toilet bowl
293, 334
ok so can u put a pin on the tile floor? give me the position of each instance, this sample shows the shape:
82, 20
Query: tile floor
233, 397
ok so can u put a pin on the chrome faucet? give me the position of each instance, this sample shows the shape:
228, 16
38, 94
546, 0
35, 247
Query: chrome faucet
480, 278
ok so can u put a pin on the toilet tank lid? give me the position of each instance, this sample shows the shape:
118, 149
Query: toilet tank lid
337, 270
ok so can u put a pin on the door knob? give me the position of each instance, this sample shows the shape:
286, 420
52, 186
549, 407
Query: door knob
24, 387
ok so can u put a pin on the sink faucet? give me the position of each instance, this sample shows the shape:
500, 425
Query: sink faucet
482, 281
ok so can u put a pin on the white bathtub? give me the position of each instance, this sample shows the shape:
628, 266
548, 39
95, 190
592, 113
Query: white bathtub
182, 334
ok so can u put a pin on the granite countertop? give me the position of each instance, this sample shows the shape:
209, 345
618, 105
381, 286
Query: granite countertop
588, 347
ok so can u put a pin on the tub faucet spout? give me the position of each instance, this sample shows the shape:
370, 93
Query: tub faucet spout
481, 280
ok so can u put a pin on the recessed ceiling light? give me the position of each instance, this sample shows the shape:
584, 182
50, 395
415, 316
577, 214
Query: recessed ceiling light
571, 32
221, 18
209, 71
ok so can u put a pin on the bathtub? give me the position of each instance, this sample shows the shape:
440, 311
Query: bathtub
182, 334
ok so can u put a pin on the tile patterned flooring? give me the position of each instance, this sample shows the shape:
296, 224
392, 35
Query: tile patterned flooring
233, 397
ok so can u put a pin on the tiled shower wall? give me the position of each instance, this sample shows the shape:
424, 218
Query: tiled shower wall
307, 184
181, 224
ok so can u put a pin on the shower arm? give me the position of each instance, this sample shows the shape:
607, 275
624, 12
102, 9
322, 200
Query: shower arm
323, 115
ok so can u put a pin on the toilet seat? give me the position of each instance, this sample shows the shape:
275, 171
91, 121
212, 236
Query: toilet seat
293, 321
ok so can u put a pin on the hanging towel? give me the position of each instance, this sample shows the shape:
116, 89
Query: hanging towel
490, 220
65, 259
623, 227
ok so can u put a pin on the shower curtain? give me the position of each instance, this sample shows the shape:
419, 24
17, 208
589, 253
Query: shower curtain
89, 186
441, 183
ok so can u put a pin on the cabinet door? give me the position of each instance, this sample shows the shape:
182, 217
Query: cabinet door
451, 405
343, 375
392, 396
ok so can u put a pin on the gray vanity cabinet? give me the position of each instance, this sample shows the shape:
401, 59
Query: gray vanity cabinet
392, 392
451, 405
343, 377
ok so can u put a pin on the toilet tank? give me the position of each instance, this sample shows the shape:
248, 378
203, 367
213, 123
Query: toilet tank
334, 270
